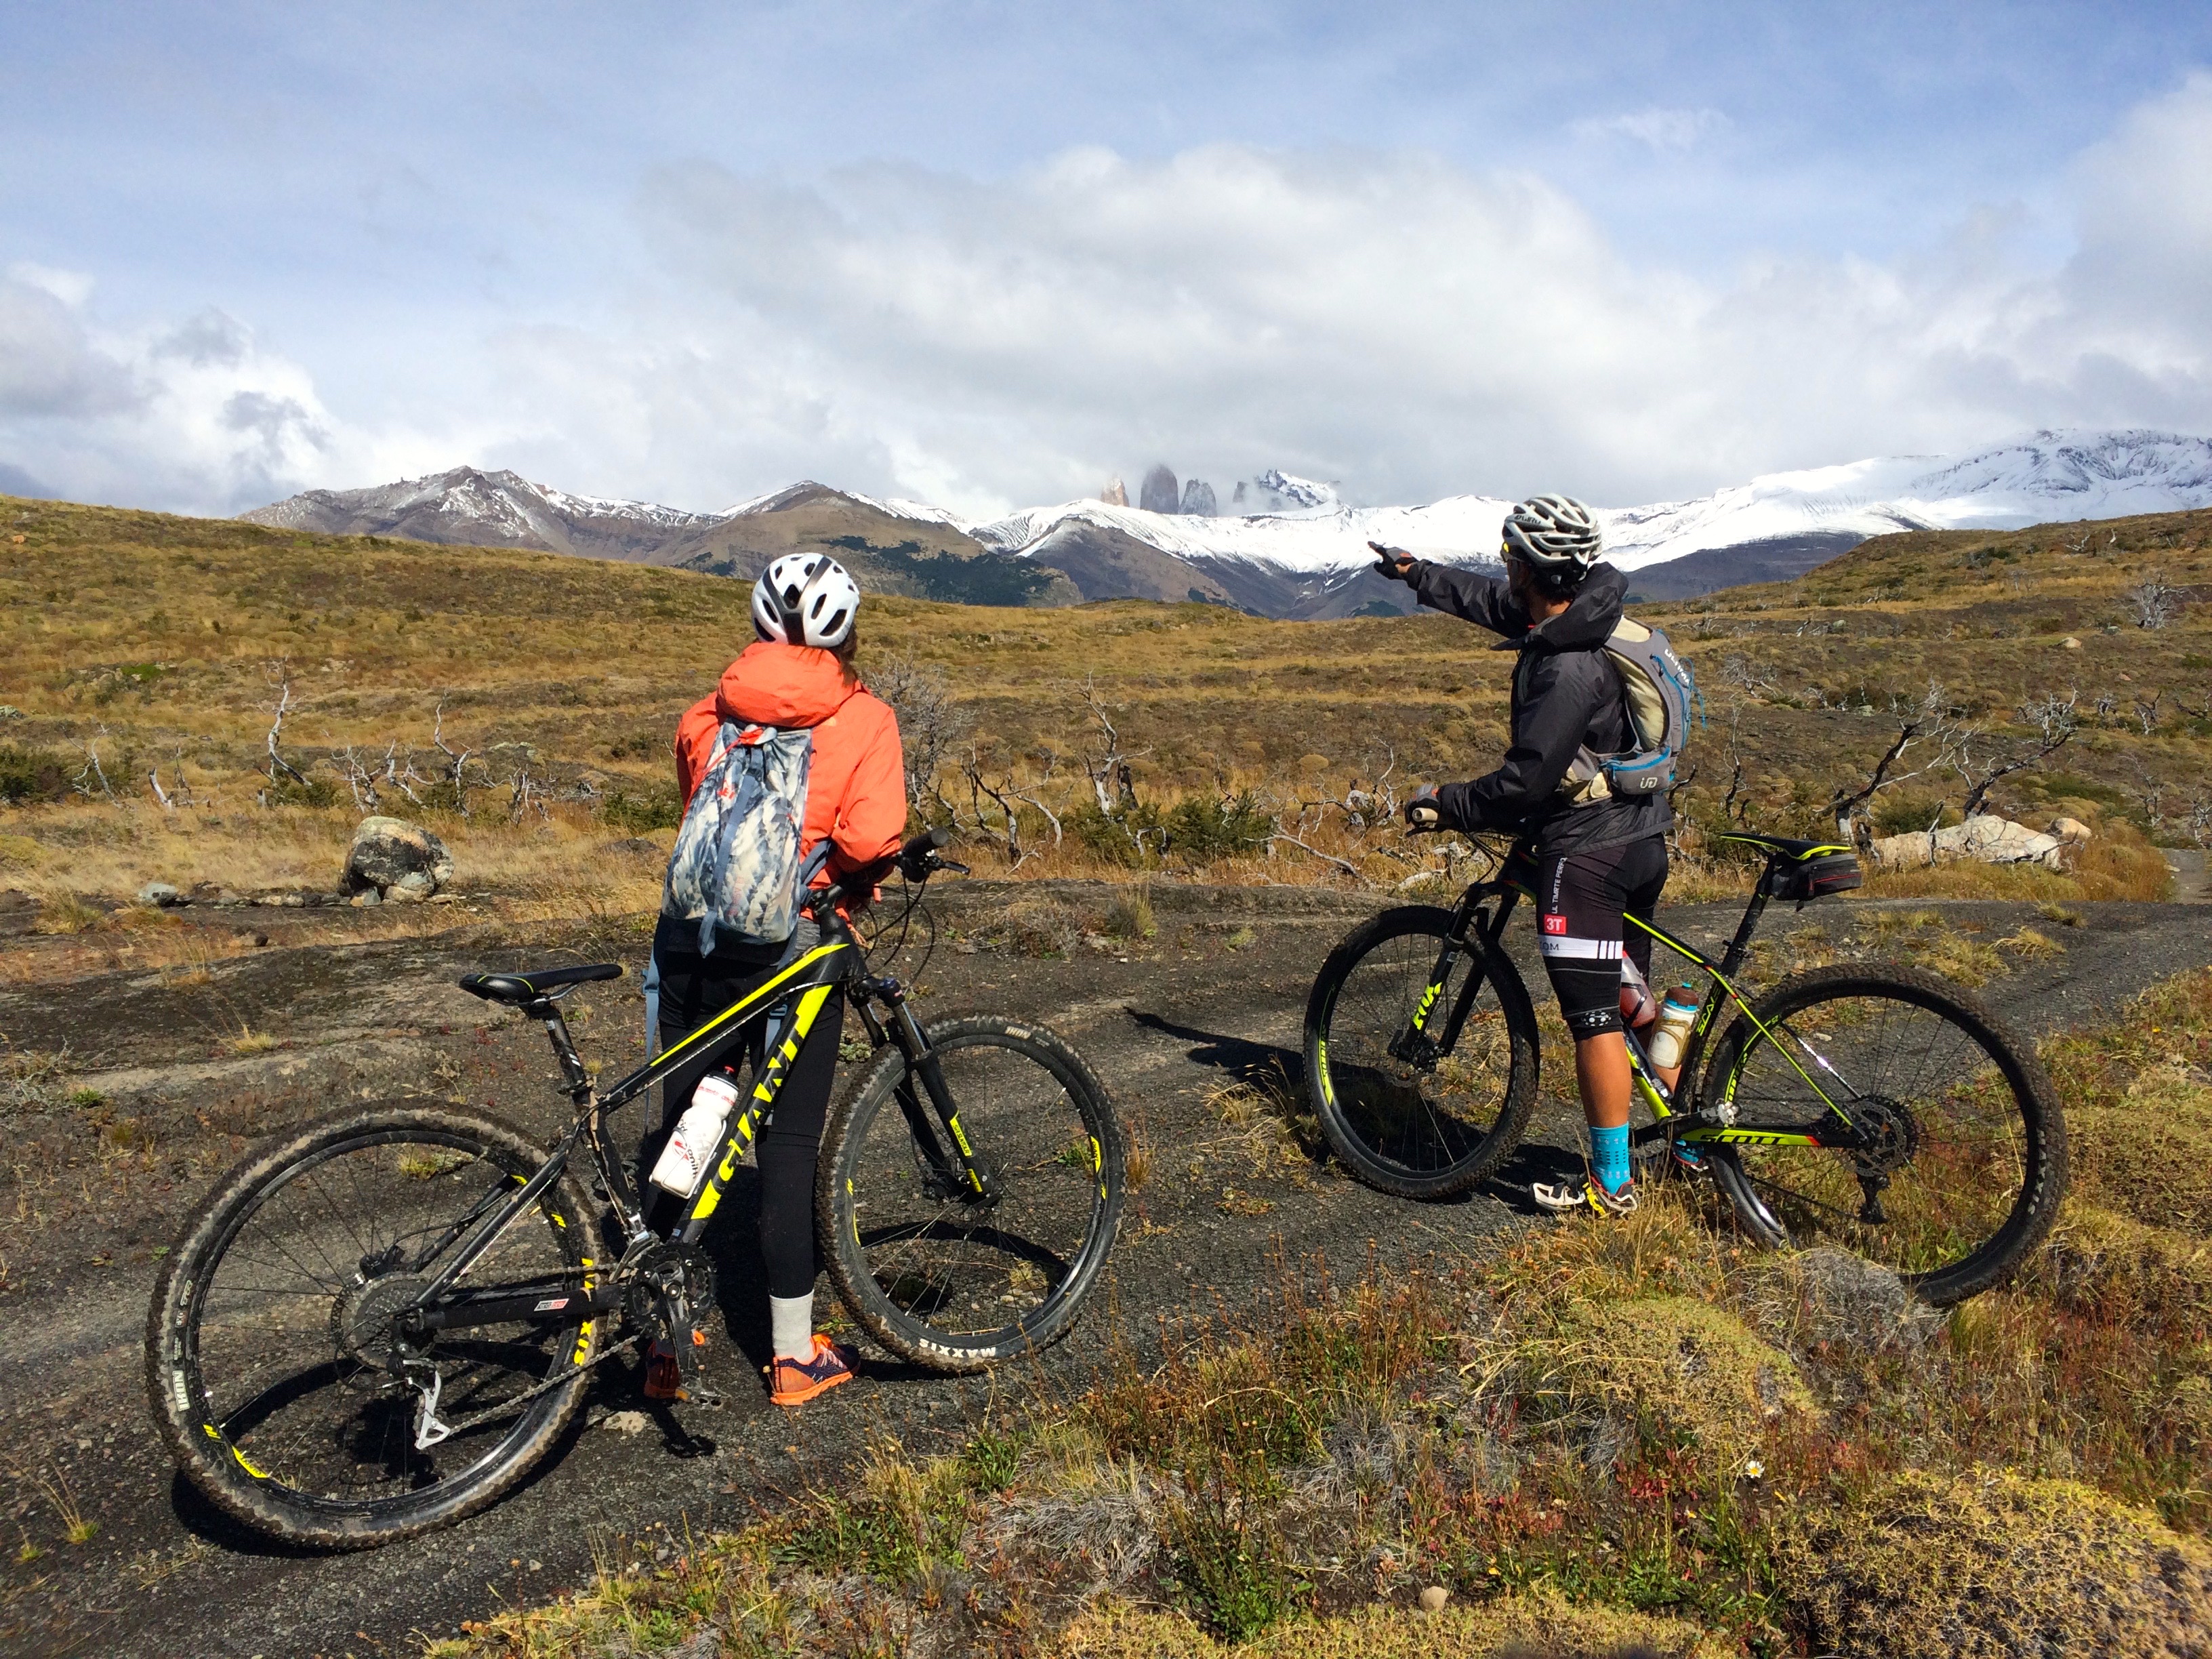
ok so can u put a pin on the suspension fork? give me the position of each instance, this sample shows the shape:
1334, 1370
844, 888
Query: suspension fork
1417, 1045
959, 1168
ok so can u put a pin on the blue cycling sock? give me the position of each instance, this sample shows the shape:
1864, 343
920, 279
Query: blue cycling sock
1609, 1157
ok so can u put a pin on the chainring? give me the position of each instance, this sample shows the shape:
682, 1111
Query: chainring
667, 1280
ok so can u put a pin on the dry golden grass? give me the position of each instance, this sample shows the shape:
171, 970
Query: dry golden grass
151, 641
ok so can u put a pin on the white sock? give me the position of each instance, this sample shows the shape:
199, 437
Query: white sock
791, 1326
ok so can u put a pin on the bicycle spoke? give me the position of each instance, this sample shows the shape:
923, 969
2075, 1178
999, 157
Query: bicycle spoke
1944, 1159
933, 1263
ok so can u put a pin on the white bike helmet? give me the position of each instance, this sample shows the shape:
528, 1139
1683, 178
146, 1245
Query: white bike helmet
805, 599
1555, 534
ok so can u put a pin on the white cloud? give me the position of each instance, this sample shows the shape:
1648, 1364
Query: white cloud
1666, 131
1403, 324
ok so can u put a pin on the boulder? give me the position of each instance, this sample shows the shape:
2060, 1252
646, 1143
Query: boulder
2071, 829
396, 860
1985, 837
161, 893
1160, 494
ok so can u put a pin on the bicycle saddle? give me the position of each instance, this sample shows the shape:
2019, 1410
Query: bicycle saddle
1783, 846
515, 989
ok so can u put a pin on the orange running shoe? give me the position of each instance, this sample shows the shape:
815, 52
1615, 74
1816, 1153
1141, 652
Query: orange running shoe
795, 1381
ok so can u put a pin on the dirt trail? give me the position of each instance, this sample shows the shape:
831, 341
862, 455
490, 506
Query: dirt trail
1213, 1000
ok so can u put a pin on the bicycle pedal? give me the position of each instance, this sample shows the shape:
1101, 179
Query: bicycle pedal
710, 1398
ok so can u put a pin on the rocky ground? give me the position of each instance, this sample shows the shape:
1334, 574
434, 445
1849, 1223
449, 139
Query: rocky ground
128, 1092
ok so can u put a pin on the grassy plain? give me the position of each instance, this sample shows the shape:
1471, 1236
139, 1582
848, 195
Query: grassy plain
156, 645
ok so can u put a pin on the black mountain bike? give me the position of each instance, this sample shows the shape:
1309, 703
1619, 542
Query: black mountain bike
1868, 1105
377, 1324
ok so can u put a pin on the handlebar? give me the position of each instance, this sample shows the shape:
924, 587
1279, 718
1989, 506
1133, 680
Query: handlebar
917, 861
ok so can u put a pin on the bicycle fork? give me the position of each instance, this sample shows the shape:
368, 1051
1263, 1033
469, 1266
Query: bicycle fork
1415, 1045
956, 1172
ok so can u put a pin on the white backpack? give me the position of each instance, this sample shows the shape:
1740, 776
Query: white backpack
736, 865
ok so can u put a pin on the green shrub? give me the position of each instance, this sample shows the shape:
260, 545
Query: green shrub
1202, 828
30, 775
1908, 813
657, 809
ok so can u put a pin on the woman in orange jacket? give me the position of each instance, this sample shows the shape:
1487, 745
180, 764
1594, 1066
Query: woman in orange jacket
799, 674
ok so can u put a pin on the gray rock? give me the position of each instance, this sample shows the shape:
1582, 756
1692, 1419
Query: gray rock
1198, 499
1160, 495
395, 860
161, 893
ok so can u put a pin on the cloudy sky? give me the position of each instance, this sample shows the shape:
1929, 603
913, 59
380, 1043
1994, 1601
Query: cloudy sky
989, 253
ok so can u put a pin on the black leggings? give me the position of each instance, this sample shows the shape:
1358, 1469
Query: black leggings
692, 990
1582, 898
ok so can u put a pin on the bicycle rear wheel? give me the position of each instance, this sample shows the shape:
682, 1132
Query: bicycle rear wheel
1415, 1124
937, 1274
272, 1355
1967, 1163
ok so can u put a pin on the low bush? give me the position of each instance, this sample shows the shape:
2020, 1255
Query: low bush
656, 809
31, 775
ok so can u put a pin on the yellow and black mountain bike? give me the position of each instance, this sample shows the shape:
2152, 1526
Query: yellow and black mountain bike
1868, 1105
377, 1324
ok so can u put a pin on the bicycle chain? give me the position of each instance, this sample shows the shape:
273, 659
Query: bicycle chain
477, 1419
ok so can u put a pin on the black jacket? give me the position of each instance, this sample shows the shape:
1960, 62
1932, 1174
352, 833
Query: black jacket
1566, 697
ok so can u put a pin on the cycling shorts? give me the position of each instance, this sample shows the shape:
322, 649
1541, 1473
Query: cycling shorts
1581, 899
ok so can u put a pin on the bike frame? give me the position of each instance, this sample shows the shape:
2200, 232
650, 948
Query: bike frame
795, 997
1482, 914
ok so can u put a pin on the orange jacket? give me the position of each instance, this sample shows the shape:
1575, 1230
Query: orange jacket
856, 780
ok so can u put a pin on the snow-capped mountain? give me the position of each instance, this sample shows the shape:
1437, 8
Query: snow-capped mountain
467, 507
1307, 555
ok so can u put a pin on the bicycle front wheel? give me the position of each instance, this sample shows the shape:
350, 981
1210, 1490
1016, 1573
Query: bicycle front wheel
1961, 1160
277, 1368
1423, 1081
939, 1273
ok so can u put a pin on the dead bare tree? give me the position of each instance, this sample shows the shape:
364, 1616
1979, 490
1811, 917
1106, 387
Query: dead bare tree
180, 793
2052, 717
92, 779
367, 777
1113, 780
279, 676
932, 724
456, 762
2155, 603
1923, 724
2147, 710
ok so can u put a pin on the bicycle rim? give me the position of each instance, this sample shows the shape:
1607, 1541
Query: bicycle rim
287, 1360
939, 1276
1967, 1164
1415, 1129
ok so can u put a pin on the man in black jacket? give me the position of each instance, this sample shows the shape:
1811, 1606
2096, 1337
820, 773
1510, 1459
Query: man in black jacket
1599, 856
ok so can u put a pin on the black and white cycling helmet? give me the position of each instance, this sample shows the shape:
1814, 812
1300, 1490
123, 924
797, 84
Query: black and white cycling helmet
805, 599
1555, 534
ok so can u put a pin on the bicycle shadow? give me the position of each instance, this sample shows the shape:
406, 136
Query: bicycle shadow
1265, 1065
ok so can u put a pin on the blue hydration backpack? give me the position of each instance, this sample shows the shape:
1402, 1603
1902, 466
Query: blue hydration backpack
736, 865
1658, 689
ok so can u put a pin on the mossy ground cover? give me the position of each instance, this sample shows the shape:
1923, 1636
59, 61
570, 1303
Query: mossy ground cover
157, 647
1634, 1436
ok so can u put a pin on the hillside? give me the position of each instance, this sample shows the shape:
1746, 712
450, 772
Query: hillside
138, 640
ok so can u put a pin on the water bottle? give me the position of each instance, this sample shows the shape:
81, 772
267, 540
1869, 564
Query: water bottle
1636, 1006
1677, 1014
697, 1140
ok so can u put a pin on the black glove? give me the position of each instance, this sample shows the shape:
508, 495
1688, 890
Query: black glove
1394, 562
1425, 810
